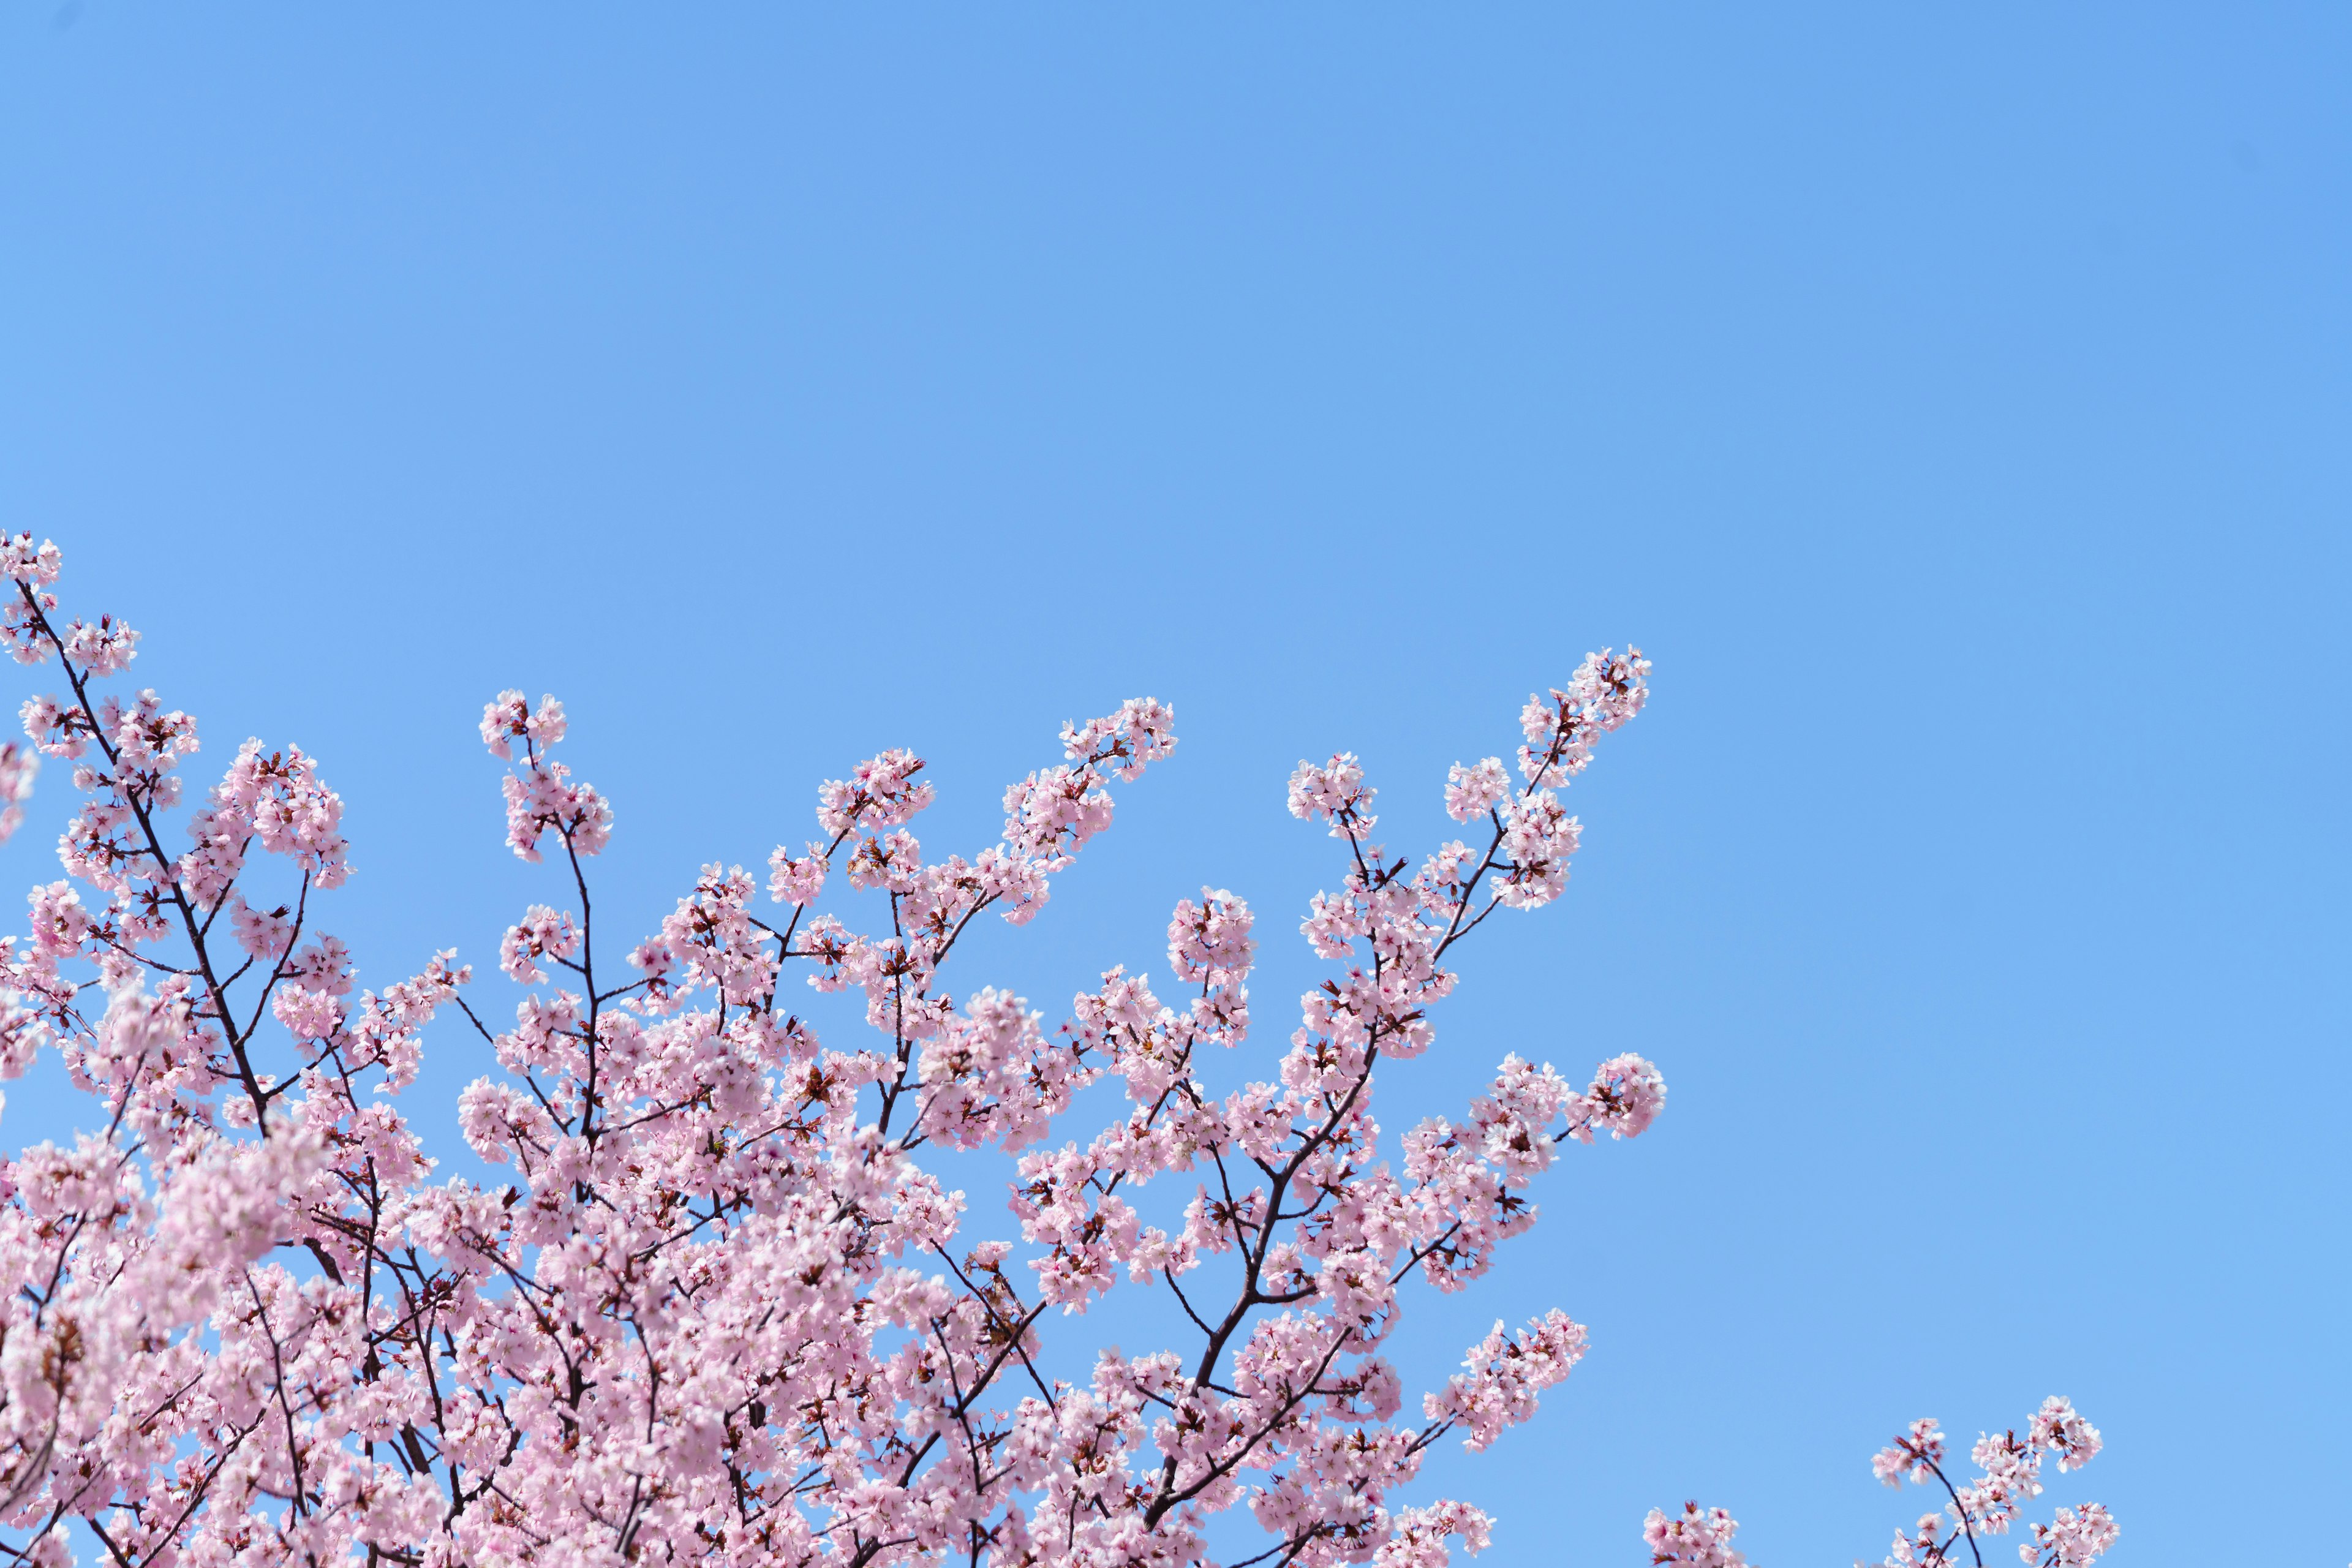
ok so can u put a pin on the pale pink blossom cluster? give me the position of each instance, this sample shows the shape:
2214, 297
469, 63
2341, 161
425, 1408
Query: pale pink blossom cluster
1697, 1538
2073, 1537
19, 766
721, 1307
1050, 815
1608, 688
2008, 1477
541, 797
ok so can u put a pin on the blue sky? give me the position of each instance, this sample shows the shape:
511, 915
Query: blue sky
1953, 402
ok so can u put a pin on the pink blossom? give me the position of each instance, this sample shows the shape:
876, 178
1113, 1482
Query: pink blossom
25, 627
263, 935
1912, 1456
1418, 1535
1472, 792
892, 861
17, 767
796, 879
880, 791
1697, 1537
542, 932
26, 565
310, 1015
545, 799
1209, 941
1607, 690
2056, 1429
276, 803
509, 719
1626, 1094
2008, 1478
103, 646
1539, 836
1334, 792
60, 924
56, 730
1505, 1373
1053, 811
1140, 732
2073, 1539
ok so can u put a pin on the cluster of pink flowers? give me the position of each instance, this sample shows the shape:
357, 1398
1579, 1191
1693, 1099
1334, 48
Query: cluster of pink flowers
541, 797
719, 1309
18, 767
2009, 1476
1697, 1537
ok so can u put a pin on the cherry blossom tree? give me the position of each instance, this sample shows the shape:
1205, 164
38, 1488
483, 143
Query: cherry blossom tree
724, 1310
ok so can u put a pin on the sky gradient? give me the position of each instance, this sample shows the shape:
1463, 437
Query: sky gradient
1954, 406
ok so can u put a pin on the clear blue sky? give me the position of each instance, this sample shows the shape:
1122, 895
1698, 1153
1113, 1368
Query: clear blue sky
1953, 400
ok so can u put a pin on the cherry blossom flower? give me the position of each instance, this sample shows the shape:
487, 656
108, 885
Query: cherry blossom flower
18, 768
1473, 792
1699, 1538
2073, 1539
